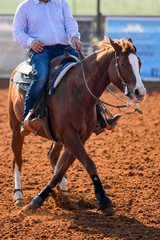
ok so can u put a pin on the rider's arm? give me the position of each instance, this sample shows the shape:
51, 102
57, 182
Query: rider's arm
70, 23
19, 28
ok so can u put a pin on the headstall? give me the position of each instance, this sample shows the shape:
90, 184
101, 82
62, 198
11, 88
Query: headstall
123, 82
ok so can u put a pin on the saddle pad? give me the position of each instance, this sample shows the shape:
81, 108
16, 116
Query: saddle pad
60, 75
23, 81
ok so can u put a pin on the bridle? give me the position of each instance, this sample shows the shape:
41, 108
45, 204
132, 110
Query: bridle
126, 91
123, 83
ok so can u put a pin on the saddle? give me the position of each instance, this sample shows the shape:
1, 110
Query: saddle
58, 68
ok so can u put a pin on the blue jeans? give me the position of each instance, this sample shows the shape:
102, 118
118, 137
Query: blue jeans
40, 63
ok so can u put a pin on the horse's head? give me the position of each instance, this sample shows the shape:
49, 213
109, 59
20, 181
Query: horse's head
125, 69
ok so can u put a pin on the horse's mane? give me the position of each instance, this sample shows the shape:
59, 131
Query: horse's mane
125, 44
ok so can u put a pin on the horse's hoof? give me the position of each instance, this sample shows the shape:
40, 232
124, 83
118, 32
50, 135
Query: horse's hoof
109, 211
29, 208
65, 193
62, 191
105, 205
35, 204
19, 203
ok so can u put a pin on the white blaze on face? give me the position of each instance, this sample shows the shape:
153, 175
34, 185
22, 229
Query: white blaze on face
135, 66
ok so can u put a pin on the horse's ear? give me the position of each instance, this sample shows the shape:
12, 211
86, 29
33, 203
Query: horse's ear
130, 40
116, 47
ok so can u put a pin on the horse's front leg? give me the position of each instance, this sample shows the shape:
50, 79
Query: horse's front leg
77, 149
53, 155
64, 162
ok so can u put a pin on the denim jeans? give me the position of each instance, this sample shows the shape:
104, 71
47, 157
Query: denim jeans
40, 63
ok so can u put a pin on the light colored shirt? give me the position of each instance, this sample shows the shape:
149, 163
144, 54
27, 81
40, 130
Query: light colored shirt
51, 23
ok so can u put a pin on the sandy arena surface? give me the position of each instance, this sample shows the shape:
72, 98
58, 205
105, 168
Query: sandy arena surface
127, 159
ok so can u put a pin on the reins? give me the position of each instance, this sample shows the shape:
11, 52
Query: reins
98, 99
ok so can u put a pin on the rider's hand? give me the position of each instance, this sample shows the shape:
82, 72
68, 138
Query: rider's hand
76, 43
37, 46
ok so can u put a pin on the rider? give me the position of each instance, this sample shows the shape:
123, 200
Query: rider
46, 28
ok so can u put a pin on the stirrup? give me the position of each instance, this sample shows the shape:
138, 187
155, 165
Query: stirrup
105, 120
32, 124
23, 131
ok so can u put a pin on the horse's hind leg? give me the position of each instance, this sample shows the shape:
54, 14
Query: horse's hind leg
64, 162
54, 154
16, 145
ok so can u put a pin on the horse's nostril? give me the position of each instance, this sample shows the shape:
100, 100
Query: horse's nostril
137, 93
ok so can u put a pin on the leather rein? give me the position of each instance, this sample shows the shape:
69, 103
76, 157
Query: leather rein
123, 82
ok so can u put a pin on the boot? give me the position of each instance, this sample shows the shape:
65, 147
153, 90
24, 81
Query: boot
30, 124
105, 120
112, 122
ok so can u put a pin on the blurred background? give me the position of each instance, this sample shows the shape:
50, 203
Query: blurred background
139, 20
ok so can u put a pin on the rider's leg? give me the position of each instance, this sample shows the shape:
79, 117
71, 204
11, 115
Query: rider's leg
40, 65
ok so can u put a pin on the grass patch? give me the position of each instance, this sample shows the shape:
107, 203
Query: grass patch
108, 7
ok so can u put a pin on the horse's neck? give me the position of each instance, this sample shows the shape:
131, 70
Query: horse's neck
96, 69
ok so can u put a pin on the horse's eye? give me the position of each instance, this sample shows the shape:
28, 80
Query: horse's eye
122, 64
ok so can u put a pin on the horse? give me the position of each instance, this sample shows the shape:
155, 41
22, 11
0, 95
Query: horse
72, 115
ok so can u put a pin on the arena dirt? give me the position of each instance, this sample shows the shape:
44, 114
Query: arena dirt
127, 160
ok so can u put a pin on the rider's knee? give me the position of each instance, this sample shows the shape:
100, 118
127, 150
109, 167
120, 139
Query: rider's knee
41, 77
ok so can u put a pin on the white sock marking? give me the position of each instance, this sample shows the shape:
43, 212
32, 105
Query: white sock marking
18, 194
17, 177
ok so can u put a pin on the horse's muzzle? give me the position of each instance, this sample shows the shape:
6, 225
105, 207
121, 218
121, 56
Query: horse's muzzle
136, 95
139, 95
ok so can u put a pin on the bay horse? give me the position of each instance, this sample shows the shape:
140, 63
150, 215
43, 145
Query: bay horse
72, 115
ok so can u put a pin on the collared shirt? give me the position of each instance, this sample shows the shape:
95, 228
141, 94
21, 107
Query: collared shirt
51, 23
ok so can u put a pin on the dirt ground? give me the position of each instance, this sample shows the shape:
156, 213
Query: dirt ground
127, 159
